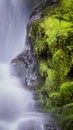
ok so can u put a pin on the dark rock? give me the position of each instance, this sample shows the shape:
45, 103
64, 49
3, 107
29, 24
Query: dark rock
50, 127
39, 9
25, 67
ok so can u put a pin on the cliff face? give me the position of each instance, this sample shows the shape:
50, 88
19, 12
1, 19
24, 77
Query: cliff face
51, 33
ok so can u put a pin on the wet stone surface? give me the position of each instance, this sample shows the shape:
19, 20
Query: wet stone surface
50, 127
25, 67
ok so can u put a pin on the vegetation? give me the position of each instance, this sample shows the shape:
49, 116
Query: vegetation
52, 38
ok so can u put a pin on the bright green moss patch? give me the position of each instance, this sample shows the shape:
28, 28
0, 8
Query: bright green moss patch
55, 99
64, 96
67, 109
66, 91
61, 63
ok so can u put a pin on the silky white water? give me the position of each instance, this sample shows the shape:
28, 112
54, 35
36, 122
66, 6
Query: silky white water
17, 106
14, 100
13, 20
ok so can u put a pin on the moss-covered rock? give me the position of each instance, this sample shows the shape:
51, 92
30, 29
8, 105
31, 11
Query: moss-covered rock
52, 39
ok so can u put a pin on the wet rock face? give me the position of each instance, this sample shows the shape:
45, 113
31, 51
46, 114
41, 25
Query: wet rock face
50, 127
25, 67
39, 8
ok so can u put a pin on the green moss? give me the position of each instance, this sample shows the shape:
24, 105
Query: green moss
66, 91
63, 11
67, 124
64, 96
61, 63
67, 117
67, 109
43, 69
55, 99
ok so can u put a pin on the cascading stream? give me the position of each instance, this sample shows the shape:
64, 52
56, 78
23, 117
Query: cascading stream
13, 101
17, 106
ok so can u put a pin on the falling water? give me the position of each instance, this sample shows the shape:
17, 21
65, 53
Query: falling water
17, 106
13, 20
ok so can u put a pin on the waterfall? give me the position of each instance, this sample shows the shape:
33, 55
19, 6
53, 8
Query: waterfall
17, 106
13, 20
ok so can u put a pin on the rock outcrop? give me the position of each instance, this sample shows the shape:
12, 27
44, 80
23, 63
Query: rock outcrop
25, 65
